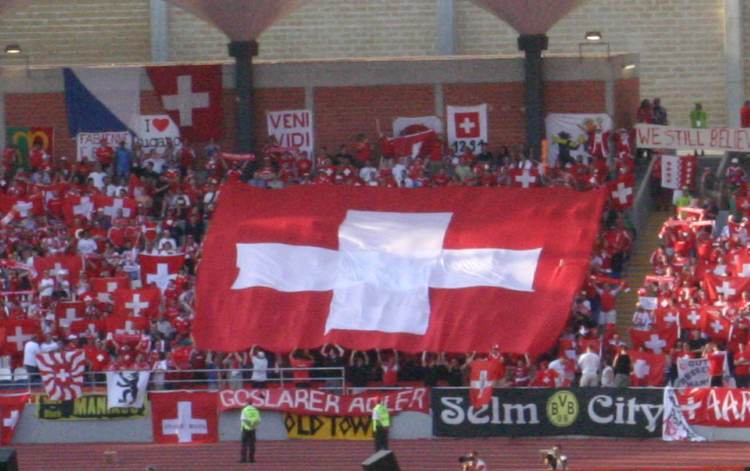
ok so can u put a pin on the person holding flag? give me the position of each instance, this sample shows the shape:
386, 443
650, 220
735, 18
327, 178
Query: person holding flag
249, 421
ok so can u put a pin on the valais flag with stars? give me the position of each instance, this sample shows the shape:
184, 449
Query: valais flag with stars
191, 95
449, 269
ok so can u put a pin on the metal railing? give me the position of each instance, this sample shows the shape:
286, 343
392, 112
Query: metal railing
332, 378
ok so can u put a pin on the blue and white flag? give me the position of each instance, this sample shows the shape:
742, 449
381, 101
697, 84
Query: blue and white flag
101, 100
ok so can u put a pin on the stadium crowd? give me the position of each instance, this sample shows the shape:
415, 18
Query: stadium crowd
174, 193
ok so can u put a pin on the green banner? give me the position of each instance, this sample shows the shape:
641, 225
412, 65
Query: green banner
86, 407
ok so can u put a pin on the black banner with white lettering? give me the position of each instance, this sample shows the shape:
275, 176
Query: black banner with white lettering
596, 412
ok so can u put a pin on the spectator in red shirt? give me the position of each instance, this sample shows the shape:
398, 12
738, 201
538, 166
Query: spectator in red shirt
716, 359
745, 115
742, 366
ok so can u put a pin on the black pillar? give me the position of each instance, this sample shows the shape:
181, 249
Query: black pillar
243, 53
533, 45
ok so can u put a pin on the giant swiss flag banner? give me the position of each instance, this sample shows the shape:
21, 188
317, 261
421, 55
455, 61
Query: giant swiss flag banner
192, 96
451, 269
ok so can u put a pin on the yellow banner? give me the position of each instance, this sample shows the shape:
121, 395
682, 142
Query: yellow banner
87, 407
314, 427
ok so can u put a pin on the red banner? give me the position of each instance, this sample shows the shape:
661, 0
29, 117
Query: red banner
717, 407
383, 267
315, 402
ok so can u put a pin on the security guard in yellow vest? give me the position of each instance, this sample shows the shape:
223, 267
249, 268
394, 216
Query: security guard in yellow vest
381, 422
249, 421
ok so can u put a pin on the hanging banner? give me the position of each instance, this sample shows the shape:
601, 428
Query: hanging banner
678, 171
674, 425
467, 128
25, 138
155, 132
314, 402
717, 407
651, 136
417, 124
88, 142
86, 407
594, 412
313, 427
293, 129
573, 135
692, 373
126, 388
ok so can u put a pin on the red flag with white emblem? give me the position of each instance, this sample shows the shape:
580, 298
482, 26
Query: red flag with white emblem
159, 270
184, 417
192, 96
68, 312
76, 206
691, 318
11, 410
87, 327
125, 325
116, 207
423, 270
667, 317
467, 128
67, 266
17, 333
105, 287
483, 375
137, 302
729, 286
655, 340
622, 191
524, 178
647, 368
716, 326
22, 206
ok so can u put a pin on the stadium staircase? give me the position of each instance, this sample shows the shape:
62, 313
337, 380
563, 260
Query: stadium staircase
637, 268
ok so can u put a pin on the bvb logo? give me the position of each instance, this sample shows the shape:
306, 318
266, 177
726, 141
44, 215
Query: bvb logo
562, 409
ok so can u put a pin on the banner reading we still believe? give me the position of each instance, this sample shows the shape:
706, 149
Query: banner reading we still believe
650, 136
24, 138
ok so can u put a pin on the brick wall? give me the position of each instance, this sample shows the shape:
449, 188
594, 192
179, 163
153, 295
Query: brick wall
340, 113
343, 112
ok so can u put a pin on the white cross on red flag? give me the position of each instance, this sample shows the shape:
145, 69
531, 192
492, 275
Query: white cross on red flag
376, 267
116, 207
622, 191
192, 96
105, 287
483, 375
185, 417
17, 333
647, 368
66, 266
137, 302
159, 270
11, 410
655, 340
731, 287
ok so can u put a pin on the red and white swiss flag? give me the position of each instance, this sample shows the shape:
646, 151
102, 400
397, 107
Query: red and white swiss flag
137, 302
483, 375
185, 417
11, 410
105, 287
159, 270
17, 333
731, 287
691, 318
192, 96
116, 207
428, 270
468, 124
647, 368
66, 266
622, 191
68, 312
656, 340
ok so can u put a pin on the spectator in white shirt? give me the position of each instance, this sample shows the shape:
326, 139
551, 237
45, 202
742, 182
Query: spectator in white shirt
30, 350
97, 177
589, 365
86, 245
260, 367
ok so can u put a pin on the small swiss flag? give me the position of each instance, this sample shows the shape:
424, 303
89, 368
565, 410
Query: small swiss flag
185, 417
468, 125
484, 374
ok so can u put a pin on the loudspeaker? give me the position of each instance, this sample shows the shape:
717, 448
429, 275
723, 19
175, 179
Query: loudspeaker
383, 460
8, 461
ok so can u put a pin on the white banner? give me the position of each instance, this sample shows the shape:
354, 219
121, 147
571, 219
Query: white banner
675, 426
430, 122
692, 373
292, 129
155, 131
568, 133
467, 128
126, 388
670, 172
651, 136
88, 142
